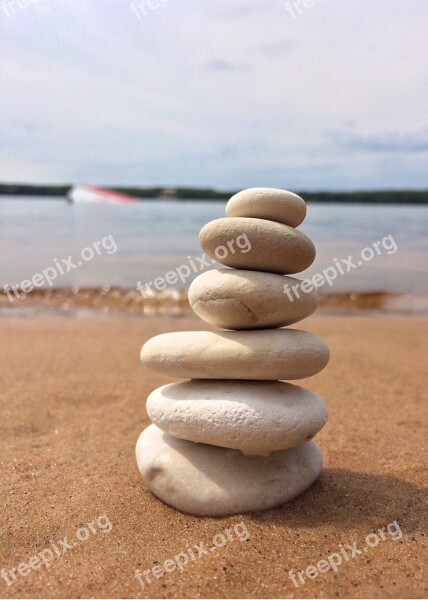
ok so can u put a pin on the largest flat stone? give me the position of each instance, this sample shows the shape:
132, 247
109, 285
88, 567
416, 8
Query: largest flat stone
266, 354
256, 417
257, 244
212, 481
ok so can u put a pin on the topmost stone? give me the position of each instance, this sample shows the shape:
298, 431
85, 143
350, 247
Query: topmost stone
268, 203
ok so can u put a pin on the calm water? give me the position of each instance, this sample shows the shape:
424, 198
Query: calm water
155, 237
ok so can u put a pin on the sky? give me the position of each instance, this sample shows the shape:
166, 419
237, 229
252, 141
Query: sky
297, 94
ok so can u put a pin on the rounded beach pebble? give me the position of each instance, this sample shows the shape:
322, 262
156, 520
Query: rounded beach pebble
264, 354
238, 299
257, 244
256, 417
207, 480
268, 203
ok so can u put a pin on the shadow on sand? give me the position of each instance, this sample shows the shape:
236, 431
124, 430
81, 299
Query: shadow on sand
348, 498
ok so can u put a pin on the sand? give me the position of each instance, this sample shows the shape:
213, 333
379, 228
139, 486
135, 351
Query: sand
73, 404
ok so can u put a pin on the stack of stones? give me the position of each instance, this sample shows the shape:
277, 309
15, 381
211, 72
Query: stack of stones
234, 437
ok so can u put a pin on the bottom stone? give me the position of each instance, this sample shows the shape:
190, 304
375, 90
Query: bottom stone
208, 480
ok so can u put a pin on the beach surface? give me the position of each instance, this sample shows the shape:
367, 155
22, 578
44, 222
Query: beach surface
73, 404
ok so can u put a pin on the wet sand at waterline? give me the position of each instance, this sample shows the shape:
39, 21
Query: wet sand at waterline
73, 405
94, 301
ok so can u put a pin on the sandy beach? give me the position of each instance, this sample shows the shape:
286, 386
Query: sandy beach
73, 404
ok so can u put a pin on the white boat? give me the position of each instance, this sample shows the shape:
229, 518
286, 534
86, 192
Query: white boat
90, 194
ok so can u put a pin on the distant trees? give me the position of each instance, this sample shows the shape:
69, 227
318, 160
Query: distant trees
361, 197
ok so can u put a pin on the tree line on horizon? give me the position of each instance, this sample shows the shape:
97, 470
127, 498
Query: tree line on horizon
182, 193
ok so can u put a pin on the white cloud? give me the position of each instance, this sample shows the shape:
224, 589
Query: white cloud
216, 93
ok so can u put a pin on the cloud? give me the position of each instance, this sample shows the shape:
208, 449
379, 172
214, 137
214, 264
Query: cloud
16, 131
223, 65
239, 9
277, 48
387, 141
215, 94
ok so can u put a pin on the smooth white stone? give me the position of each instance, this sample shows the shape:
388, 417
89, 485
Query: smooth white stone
239, 299
268, 203
267, 354
212, 481
256, 417
257, 244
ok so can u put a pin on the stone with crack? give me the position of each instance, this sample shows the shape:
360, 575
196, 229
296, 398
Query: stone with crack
239, 299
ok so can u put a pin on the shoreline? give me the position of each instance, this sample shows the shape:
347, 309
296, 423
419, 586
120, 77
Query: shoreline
128, 302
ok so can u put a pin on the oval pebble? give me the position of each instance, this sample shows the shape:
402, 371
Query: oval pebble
207, 480
256, 417
257, 244
265, 354
239, 299
268, 203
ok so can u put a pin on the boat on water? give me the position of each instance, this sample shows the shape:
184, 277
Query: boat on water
93, 194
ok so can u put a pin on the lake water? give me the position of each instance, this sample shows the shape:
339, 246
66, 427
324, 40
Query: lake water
154, 237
